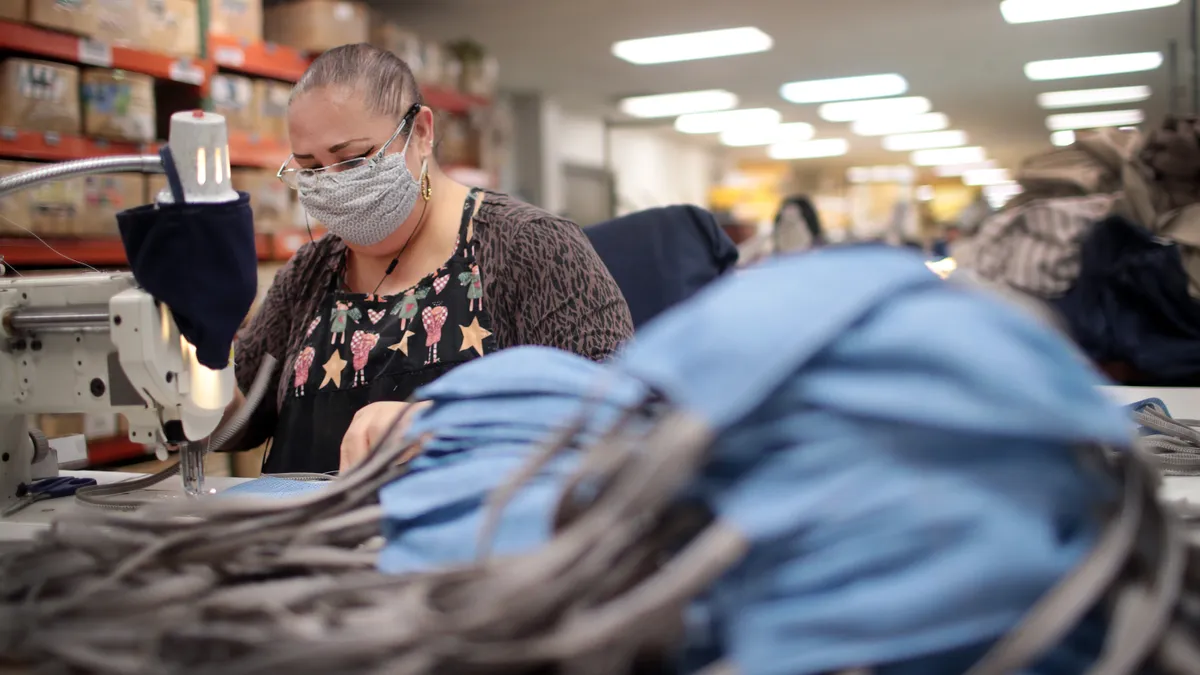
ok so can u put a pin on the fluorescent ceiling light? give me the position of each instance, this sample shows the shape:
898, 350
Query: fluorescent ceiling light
1030, 11
1062, 139
934, 139
743, 137
844, 89
826, 147
882, 126
850, 111
956, 170
987, 177
1095, 120
880, 174
1093, 66
999, 195
943, 156
683, 103
716, 122
1083, 98
708, 44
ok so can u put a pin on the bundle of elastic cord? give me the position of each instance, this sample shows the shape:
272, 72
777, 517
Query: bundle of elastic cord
1172, 444
109, 497
265, 586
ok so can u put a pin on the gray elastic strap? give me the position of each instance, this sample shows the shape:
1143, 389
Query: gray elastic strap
1056, 613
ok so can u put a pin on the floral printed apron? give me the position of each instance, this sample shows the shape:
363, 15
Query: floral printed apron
360, 349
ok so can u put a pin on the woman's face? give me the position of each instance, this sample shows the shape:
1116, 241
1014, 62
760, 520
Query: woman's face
331, 125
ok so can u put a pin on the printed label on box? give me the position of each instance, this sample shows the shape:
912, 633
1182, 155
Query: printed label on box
231, 57
94, 53
187, 72
40, 82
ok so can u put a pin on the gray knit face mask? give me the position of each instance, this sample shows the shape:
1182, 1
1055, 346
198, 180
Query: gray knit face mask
365, 204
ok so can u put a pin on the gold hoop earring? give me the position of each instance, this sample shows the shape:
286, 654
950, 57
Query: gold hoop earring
426, 183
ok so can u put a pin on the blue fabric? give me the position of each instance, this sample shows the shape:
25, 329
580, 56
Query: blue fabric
1130, 305
199, 259
269, 486
661, 257
899, 451
487, 419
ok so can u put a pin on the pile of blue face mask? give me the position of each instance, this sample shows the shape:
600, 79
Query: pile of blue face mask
899, 451
487, 419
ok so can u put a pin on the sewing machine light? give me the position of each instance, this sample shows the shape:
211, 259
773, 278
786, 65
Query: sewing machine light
200, 144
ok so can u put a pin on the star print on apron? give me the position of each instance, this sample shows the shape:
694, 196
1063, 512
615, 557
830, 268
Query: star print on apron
361, 349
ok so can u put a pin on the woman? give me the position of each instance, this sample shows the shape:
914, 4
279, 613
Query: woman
417, 275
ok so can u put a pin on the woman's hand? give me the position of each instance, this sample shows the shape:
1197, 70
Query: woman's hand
369, 426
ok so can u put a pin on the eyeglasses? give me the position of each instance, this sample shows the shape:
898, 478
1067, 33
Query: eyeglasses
291, 176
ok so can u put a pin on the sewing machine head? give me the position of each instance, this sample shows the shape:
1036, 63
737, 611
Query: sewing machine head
95, 343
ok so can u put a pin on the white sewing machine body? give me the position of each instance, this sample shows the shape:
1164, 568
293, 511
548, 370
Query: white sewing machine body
95, 342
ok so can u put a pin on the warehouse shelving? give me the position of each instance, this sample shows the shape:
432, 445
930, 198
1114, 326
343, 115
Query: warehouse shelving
284, 63
99, 251
48, 44
55, 147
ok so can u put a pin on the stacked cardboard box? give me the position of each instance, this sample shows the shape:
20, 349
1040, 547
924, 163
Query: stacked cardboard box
234, 97
165, 26
272, 99
269, 197
317, 25
118, 105
241, 19
39, 96
78, 207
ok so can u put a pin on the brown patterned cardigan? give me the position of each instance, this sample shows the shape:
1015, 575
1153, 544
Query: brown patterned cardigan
544, 283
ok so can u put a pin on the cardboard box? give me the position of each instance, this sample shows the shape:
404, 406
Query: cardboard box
57, 426
317, 25
48, 210
270, 199
14, 208
241, 19
39, 96
119, 22
79, 17
118, 105
171, 27
272, 99
460, 141
155, 183
106, 196
55, 208
14, 10
390, 37
234, 97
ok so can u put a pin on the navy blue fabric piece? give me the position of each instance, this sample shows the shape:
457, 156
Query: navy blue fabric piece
200, 260
660, 257
907, 491
1131, 305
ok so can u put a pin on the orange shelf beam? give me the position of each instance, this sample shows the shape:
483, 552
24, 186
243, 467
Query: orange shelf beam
451, 101
103, 251
99, 251
55, 147
247, 150
263, 59
23, 38
112, 450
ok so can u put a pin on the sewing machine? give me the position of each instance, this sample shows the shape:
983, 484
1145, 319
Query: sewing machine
95, 343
